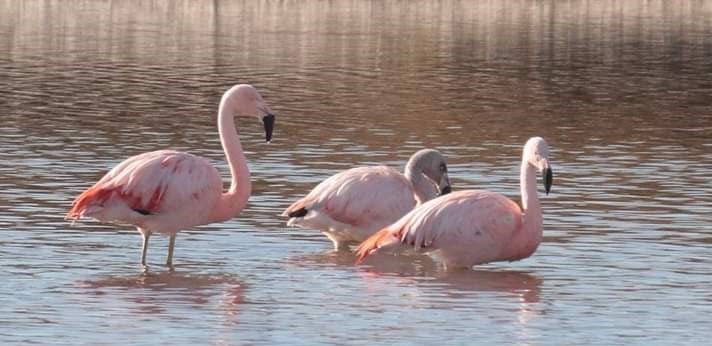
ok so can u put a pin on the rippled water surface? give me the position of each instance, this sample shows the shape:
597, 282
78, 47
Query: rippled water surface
622, 91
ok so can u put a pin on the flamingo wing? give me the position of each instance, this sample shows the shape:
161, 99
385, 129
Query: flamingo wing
359, 196
470, 221
151, 183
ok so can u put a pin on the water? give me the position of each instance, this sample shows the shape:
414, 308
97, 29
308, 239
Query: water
620, 89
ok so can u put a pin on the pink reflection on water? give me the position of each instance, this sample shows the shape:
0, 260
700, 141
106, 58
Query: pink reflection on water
158, 292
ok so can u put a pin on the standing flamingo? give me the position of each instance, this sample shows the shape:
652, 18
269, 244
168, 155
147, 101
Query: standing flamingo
352, 205
165, 191
472, 227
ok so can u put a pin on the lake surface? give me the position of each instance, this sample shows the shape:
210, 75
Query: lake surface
621, 90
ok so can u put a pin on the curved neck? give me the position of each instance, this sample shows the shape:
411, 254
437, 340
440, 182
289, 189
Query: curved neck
532, 225
422, 187
235, 199
527, 181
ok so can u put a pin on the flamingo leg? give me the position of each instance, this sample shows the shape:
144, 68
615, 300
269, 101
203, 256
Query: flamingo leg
144, 248
339, 245
171, 245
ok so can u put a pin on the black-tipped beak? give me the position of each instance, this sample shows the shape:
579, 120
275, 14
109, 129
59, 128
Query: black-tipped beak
268, 120
548, 179
445, 190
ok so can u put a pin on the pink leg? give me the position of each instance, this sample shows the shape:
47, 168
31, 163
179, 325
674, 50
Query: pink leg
144, 248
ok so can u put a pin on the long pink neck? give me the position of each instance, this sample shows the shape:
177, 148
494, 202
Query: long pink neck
235, 199
528, 238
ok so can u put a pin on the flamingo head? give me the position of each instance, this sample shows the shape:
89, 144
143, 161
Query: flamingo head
432, 164
536, 153
245, 100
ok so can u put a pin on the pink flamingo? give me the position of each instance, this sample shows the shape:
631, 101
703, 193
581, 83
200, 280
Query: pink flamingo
472, 227
165, 191
353, 204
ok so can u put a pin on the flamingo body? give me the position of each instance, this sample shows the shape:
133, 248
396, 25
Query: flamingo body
165, 191
473, 227
352, 205
463, 228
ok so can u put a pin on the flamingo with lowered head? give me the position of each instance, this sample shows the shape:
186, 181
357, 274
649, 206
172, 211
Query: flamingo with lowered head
166, 191
472, 227
352, 205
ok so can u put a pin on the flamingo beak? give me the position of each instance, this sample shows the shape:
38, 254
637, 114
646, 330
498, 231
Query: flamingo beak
268, 121
444, 185
548, 179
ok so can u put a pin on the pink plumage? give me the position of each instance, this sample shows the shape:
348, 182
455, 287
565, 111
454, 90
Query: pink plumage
162, 191
166, 191
472, 227
351, 205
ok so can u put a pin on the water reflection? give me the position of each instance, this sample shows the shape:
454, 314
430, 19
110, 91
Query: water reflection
152, 292
457, 284
422, 270
511, 295
407, 264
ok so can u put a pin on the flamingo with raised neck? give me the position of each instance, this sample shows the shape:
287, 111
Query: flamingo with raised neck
167, 191
472, 227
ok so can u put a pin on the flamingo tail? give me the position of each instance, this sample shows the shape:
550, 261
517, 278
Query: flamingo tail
378, 240
297, 209
82, 203
301, 212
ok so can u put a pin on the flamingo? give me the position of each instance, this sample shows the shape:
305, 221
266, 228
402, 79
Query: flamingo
471, 227
165, 191
353, 204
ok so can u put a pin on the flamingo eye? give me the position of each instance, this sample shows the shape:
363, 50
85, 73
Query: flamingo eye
443, 168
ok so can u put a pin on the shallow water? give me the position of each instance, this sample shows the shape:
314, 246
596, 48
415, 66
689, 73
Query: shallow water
620, 89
